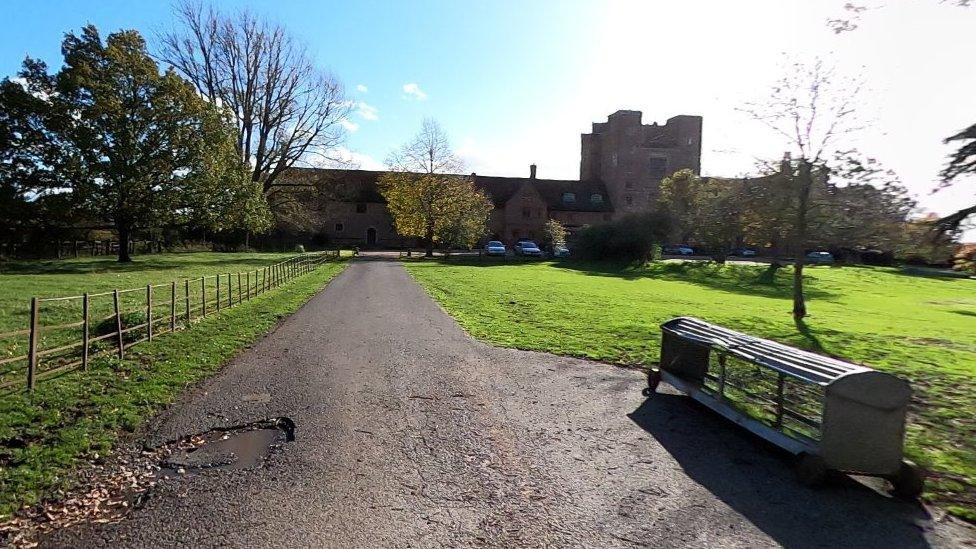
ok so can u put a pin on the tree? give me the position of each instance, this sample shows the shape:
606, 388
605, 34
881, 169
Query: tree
555, 233
707, 212
287, 112
427, 199
963, 161
811, 108
134, 148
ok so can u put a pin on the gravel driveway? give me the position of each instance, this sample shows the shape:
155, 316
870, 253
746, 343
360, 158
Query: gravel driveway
409, 433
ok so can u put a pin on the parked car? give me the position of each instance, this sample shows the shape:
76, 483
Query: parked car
528, 248
744, 252
560, 251
678, 249
820, 258
495, 247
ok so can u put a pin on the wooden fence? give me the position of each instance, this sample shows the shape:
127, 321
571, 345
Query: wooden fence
79, 329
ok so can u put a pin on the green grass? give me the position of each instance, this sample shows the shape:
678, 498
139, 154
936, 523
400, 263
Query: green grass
74, 417
923, 329
19, 281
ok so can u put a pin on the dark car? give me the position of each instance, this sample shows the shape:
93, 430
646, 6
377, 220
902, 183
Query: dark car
678, 249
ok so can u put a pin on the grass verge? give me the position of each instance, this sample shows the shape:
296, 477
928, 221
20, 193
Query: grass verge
923, 329
79, 416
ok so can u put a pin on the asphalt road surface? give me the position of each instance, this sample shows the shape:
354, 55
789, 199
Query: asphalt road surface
409, 433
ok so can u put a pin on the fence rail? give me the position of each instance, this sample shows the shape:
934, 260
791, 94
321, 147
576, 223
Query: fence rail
85, 326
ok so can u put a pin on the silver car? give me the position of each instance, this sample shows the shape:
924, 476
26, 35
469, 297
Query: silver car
495, 247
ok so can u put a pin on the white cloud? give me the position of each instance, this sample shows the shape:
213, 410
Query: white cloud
350, 159
362, 88
349, 124
368, 112
413, 91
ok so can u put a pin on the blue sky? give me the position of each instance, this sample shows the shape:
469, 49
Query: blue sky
517, 82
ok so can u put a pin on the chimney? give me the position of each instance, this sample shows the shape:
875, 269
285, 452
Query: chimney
531, 171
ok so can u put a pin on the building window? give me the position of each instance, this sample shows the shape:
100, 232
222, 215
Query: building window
613, 159
361, 208
629, 200
658, 167
629, 185
569, 197
338, 227
596, 198
526, 213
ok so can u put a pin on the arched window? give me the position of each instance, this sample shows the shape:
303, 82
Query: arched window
596, 198
569, 197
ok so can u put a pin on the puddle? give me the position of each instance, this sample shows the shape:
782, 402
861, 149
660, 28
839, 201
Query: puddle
230, 449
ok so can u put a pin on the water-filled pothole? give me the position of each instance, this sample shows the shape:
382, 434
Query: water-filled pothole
233, 448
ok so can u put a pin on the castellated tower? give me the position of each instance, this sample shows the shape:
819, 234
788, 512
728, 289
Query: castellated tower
631, 158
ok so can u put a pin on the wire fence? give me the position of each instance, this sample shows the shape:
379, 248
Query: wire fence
65, 333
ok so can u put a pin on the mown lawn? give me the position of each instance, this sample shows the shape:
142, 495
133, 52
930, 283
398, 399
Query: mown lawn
923, 329
74, 417
19, 281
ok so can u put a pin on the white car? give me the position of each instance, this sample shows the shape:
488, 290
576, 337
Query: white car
495, 247
560, 251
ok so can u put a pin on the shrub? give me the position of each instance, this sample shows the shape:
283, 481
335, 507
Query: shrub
630, 238
300, 249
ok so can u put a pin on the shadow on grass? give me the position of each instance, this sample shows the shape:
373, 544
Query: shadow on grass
810, 338
757, 280
754, 479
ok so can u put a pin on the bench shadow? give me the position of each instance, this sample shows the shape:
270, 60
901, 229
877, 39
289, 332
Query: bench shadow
756, 480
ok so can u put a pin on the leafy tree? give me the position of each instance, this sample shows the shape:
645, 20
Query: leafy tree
134, 148
426, 199
963, 161
707, 212
555, 233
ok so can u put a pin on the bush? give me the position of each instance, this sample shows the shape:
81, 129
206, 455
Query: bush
630, 238
300, 249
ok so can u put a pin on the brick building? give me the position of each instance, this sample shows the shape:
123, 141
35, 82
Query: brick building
621, 166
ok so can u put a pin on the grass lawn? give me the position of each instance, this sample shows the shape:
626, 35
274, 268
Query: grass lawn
923, 329
72, 417
19, 281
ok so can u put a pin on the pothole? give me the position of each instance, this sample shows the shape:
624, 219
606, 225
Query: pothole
228, 448
113, 486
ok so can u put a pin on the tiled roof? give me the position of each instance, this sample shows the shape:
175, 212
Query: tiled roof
361, 186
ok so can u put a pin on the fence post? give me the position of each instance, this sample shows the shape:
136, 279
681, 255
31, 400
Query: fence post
32, 350
186, 288
85, 308
240, 291
203, 295
249, 285
149, 311
230, 291
218, 293
172, 306
118, 323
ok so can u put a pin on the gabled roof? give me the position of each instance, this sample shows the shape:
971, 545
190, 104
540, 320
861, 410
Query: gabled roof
501, 189
361, 186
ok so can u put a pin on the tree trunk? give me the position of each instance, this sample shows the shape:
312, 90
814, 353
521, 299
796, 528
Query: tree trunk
799, 303
803, 205
124, 245
429, 242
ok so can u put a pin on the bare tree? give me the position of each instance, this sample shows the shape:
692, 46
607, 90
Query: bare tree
288, 112
811, 108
